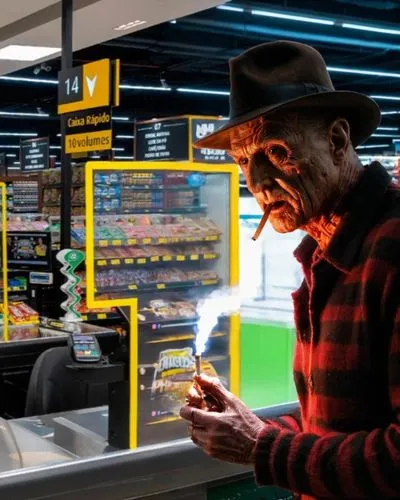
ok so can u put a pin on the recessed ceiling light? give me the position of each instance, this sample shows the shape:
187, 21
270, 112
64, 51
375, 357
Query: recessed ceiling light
130, 25
26, 52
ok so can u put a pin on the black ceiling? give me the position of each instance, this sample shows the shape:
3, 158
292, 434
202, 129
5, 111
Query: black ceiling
193, 53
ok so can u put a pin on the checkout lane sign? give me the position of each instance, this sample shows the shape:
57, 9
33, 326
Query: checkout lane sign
202, 127
86, 95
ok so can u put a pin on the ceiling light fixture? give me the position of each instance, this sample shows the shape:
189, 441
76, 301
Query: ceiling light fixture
124, 157
387, 128
386, 97
373, 146
16, 113
143, 87
201, 91
120, 118
11, 155
173, 21
124, 136
292, 17
375, 29
55, 147
230, 8
9, 146
118, 149
368, 72
390, 112
29, 80
18, 134
384, 135
130, 25
26, 52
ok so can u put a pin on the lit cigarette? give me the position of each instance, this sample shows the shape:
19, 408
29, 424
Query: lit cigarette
197, 360
262, 223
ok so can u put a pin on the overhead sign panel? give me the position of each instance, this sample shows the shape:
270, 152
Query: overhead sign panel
88, 86
34, 154
88, 131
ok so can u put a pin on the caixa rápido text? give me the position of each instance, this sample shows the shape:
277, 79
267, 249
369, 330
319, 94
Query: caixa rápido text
93, 120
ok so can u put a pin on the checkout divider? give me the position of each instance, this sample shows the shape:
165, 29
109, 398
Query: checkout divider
137, 446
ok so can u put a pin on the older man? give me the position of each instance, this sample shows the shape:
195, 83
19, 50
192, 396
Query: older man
294, 136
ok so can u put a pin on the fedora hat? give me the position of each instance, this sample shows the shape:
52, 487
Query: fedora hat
286, 75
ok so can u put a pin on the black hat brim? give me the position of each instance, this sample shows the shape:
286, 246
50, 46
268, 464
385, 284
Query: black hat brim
362, 113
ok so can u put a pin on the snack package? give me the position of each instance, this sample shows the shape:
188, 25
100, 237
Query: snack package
173, 378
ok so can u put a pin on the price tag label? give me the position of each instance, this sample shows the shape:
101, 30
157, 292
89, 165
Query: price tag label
131, 242
141, 261
194, 257
209, 256
115, 262
209, 282
155, 258
180, 258
102, 316
167, 258
128, 261
162, 240
116, 243
211, 238
103, 243
161, 286
146, 241
101, 262
132, 287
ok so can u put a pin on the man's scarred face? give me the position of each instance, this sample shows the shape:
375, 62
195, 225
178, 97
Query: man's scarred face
286, 164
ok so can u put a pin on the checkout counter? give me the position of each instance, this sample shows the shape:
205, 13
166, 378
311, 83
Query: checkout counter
65, 456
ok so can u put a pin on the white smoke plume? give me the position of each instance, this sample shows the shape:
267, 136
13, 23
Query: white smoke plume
221, 301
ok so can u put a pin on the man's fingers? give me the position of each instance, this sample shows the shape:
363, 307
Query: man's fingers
212, 385
198, 418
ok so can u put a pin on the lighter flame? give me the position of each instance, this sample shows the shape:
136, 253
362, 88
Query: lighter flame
221, 301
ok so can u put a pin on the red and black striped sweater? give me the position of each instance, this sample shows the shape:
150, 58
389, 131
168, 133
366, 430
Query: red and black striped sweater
346, 441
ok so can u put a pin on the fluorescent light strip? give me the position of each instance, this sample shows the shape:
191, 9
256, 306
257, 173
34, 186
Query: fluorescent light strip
11, 155
201, 91
144, 87
124, 136
118, 149
384, 135
387, 128
230, 8
33, 115
29, 80
9, 146
18, 134
390, 112
120, 118
292, 17
124, 157
375, 29
386, 97
373, 146
55, 147
368, 72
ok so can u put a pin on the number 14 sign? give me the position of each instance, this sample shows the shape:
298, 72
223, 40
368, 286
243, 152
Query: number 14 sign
93, 85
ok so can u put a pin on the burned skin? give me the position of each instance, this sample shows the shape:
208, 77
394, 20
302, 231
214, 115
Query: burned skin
298, 169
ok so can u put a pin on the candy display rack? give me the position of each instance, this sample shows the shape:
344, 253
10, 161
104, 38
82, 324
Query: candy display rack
159, 238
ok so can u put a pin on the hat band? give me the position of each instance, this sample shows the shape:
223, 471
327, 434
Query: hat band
270, 95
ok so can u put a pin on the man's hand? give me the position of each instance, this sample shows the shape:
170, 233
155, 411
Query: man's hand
230, 434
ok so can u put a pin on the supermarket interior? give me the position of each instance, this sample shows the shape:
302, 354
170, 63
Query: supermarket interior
116, 232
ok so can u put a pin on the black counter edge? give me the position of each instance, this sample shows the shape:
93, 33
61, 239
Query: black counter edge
128, 474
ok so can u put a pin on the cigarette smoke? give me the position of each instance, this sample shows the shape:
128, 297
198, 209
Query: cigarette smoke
222, 301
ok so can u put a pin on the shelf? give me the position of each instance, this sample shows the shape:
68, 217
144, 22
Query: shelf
149, 187
158, 286
13, 289
100, 316
58, 185
140, 261
172, 211
156, 241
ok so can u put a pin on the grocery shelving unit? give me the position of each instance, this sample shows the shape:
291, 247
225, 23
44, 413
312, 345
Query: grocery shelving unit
160, 237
